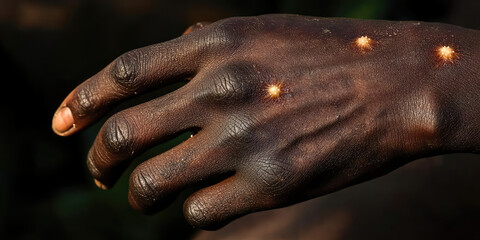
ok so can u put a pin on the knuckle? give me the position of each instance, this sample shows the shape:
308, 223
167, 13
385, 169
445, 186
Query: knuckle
225, 34
196, 212
235, 83
126, 68
230, 33
143, 188
274, 176
86, 101
238, 129
118, 135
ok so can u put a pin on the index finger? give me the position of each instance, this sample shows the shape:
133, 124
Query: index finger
133, 72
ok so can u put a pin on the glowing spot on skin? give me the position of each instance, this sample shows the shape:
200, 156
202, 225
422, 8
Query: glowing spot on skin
274, 91
446, 54
364, 43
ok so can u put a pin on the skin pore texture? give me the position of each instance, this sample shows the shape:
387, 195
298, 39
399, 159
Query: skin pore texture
286, 107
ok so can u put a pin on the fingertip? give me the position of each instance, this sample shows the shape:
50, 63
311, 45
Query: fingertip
62, 122
133, 203
195, 213
213, 207
100, 184
201, 216
139, 206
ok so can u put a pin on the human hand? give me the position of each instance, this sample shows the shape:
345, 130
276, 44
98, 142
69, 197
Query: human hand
290, 107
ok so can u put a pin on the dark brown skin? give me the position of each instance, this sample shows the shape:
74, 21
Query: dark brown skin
345, 114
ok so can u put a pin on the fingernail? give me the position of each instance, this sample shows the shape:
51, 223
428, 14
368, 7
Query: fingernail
100, 185
63, 120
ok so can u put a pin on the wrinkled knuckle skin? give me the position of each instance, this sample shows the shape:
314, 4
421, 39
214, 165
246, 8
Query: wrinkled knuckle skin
143, 190
225, 34
275, 177
199, 213
118, 136
196, 213
238, 131
126, 69
86, 101
233, 84
229, 34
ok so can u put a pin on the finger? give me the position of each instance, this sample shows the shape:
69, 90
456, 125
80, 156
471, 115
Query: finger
131, 131
215, 206
195, 27
154, 183
132, 73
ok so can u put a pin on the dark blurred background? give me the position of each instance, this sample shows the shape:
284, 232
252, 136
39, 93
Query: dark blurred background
48, 47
